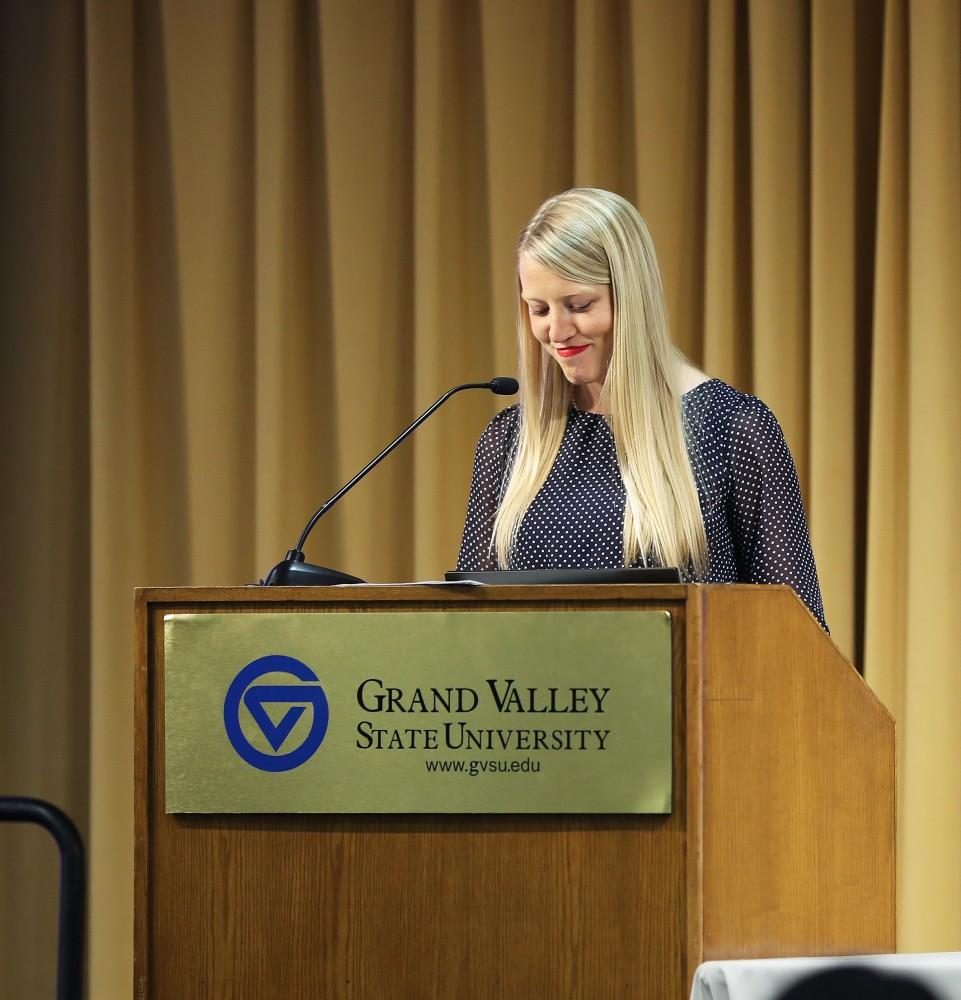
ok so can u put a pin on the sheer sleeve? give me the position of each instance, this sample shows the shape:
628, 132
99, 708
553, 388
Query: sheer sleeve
767, 515
491, 462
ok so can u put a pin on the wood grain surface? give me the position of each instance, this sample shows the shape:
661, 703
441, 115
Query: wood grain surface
799, 787
538, 906
405, 906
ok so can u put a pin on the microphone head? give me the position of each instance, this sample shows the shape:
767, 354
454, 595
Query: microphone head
503, 386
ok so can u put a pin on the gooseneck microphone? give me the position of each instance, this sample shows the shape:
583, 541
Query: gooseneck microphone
292, 570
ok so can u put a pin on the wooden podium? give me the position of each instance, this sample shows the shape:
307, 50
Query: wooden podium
781, 840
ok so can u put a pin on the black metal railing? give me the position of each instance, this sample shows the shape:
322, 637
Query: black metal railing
73, 886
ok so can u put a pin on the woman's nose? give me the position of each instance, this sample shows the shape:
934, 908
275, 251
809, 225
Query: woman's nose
561, 328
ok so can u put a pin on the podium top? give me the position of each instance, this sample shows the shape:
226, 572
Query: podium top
454, 591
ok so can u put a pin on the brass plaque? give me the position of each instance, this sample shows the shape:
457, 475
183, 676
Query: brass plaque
418, 712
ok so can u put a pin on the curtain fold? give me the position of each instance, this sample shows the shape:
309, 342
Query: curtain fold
668, 72
727, 320
780, 217
833, 389
293, 405
931, 736
247, 243
44, 469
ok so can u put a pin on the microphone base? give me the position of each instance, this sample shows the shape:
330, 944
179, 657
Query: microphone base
293, 572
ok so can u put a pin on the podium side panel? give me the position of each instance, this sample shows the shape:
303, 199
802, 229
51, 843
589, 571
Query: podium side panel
799, 788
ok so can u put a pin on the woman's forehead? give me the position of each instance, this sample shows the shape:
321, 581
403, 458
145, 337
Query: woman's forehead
538, 281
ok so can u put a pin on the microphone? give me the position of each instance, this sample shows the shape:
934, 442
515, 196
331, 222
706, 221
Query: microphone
292, 570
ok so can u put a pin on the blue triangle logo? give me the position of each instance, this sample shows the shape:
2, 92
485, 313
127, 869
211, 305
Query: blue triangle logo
256, 697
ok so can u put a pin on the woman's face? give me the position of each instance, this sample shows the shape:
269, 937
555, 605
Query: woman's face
573, 322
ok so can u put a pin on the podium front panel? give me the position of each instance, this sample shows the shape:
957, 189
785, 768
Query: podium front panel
427, 906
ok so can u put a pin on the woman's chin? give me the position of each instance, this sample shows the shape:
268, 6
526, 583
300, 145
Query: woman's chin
576, 377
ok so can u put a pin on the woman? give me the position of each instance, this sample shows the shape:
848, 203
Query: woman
621, 452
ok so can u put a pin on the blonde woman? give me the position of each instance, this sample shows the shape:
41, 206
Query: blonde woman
622, 453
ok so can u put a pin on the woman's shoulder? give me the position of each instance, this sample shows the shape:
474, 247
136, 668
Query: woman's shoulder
717, 404
506, 417
502, 428
504, 420
725, 424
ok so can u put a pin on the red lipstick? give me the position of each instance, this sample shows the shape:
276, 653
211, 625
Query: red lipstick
570, 352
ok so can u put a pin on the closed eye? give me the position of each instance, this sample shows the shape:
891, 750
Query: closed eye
575, 307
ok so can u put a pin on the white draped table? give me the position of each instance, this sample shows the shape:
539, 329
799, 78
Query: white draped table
766, 979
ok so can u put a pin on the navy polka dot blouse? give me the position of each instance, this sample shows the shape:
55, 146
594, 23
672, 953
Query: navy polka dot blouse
746, 483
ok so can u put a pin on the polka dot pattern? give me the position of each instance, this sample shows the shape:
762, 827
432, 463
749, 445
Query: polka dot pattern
746, 482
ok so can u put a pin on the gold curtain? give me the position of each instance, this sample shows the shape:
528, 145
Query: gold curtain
45, 597
246, 241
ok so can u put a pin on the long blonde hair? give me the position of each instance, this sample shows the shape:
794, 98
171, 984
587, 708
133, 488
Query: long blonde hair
596, 237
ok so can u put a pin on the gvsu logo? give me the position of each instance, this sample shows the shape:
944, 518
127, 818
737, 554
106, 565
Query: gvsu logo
246, 697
